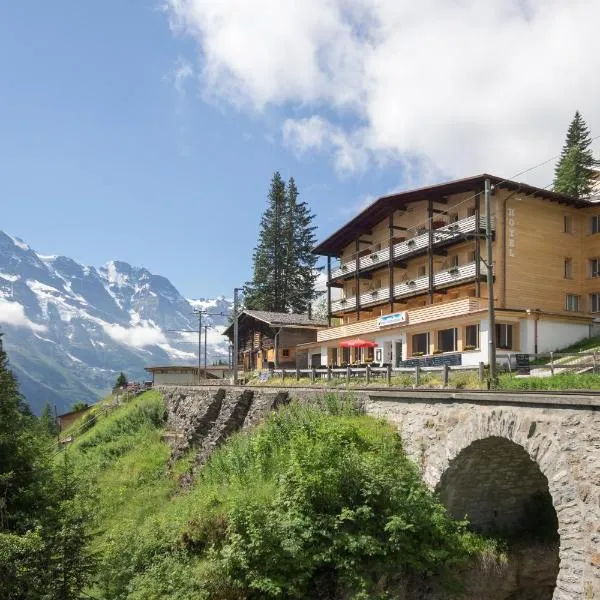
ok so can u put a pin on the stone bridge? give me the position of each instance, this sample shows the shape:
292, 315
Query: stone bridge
486, 454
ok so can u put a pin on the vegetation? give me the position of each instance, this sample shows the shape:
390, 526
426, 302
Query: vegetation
574, 173
44, 511
48, 422
318, 502
560, 381
284, 266
78, 406
121, 380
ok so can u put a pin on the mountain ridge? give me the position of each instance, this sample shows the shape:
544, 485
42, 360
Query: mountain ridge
71, 328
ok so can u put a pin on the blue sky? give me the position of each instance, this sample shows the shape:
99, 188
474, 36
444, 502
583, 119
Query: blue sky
148, 130
102, 158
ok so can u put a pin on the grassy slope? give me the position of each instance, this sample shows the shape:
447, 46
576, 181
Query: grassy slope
146, 527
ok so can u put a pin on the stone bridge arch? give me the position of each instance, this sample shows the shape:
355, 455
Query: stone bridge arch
443, 438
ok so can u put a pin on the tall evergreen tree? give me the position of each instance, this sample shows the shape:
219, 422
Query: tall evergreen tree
302, 274
284, 266
47, 421
264, 291
574, 173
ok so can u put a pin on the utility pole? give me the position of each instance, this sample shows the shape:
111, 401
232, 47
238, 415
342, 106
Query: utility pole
205, 330
490, 284
234, 352
199, 313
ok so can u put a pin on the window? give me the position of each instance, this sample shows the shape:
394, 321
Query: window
595, 224
568, 268
420, 343
568, 224
285, 353
345, 356
595, 302
471, 337
471, 211
447, 340
594, 267
504, 336
421, 272
472, 256
452, 217
454, 261
572, 303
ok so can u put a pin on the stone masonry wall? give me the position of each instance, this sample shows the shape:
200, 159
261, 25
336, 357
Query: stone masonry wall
445, 434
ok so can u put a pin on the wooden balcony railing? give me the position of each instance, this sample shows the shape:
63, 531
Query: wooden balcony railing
406, 289
413, 247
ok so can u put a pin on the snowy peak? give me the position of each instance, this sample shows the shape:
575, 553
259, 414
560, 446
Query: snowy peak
65, 320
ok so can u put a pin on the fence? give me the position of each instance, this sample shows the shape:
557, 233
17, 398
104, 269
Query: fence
552, 363
370, 373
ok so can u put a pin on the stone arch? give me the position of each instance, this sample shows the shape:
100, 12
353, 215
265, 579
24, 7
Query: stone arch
542, 448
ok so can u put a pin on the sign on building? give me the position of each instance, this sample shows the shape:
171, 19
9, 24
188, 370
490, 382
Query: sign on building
393, 319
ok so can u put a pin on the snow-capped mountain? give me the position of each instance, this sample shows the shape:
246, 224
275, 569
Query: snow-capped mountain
69, 328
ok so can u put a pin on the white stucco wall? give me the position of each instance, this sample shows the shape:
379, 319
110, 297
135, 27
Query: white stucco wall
554, 335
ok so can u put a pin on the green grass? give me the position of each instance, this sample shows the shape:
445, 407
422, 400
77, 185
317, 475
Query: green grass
562, 381
457, 380
154, 540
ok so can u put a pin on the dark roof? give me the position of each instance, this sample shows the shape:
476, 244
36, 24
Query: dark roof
384, 206
278, 319
185, 368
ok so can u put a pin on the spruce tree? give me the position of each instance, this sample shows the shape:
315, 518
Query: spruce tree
265, 291
302, 274
121, 380
284, 266
48, 422
574, 173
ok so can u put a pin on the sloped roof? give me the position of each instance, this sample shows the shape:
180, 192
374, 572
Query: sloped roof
384, 206
279, 319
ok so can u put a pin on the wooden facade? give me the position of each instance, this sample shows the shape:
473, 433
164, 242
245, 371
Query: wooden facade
269, 340
422, 254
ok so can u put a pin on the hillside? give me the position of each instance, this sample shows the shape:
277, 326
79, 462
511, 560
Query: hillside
316, 503
71, 328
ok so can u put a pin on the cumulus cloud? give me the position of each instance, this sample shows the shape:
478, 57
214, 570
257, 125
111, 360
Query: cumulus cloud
138, 336
439, 88
12, 313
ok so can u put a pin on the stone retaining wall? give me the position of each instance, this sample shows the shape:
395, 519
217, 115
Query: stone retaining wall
485, 454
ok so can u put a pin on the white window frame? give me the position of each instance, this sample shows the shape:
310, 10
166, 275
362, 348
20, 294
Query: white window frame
454, 339
477, 335
594, 224
502, 329
594, 264
572, 302
595, 297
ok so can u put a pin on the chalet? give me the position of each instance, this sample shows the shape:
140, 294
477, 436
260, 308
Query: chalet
67, 419
269, 339
412, 274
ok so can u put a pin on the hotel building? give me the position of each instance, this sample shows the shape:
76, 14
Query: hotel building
412, 274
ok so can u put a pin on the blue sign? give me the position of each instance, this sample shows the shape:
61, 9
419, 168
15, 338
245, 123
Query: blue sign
393, 319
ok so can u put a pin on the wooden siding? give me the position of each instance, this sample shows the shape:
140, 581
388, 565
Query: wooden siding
434, 312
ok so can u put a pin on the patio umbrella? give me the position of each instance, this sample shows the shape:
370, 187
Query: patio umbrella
357, 343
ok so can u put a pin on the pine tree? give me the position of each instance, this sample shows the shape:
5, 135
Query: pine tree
574, 173
48, 422
265, 291
121, 380
284, 266
302, 275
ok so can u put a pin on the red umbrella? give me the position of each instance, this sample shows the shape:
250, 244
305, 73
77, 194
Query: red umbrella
357, 343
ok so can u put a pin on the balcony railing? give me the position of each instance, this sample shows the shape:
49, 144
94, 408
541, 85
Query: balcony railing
405, 289
412, 247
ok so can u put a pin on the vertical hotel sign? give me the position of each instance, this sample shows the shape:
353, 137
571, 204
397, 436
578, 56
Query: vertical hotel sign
511, 242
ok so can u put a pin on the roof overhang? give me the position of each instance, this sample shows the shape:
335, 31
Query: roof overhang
386, 205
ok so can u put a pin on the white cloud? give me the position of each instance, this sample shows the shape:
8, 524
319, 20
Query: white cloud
460, 87
12, 313
138, 337
183, 71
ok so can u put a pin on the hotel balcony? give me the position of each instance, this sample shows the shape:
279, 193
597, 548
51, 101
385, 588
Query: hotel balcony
444, 236
442, 310
405, 289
